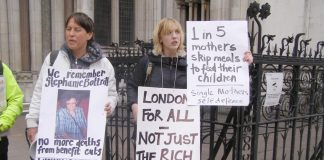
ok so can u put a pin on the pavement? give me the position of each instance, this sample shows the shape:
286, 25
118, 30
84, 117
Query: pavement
18, 147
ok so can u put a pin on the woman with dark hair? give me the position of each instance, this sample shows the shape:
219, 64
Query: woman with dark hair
78, 52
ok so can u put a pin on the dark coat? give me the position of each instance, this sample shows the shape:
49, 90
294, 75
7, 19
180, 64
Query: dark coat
174, 73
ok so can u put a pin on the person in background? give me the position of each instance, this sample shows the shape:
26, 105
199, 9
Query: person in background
11, 106
78, 52
168, 59
71, 122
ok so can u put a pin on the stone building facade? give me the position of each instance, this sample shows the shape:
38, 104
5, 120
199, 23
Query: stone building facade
30, 29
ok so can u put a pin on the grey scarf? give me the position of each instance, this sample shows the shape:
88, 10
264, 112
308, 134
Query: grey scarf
93, 55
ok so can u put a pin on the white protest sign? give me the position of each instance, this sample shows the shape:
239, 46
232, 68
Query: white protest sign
65, 133
216, 71
166, 127
274, 88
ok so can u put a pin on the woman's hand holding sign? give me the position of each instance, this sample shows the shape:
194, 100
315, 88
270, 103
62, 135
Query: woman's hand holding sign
248, 57
134, 111
108, 109
31, 134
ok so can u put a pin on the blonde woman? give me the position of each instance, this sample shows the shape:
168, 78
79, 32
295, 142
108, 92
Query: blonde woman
168, 59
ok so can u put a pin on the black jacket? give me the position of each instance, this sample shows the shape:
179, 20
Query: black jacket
174, 73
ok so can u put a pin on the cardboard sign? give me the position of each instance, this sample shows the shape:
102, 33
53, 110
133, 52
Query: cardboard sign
166, 127
216, 70
72, 128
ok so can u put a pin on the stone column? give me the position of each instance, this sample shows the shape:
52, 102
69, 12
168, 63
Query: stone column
140, 28
203, 10
4, 32
175, 10
86, 6
182, 14
157, 12
68, 8
207, 11
25, 44
238, 9
115, 21
163, 8
35, 34
171, 9
14, 35
219, 10
195, 11
190, 10
46, 19
150, 18
57, 12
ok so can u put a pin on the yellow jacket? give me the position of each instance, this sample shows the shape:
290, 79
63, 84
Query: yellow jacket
12, 100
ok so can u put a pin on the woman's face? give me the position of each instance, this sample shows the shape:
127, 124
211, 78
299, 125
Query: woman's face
76, 37
171, 41
71, 104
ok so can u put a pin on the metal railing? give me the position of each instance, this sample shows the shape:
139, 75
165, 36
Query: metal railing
291, 130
